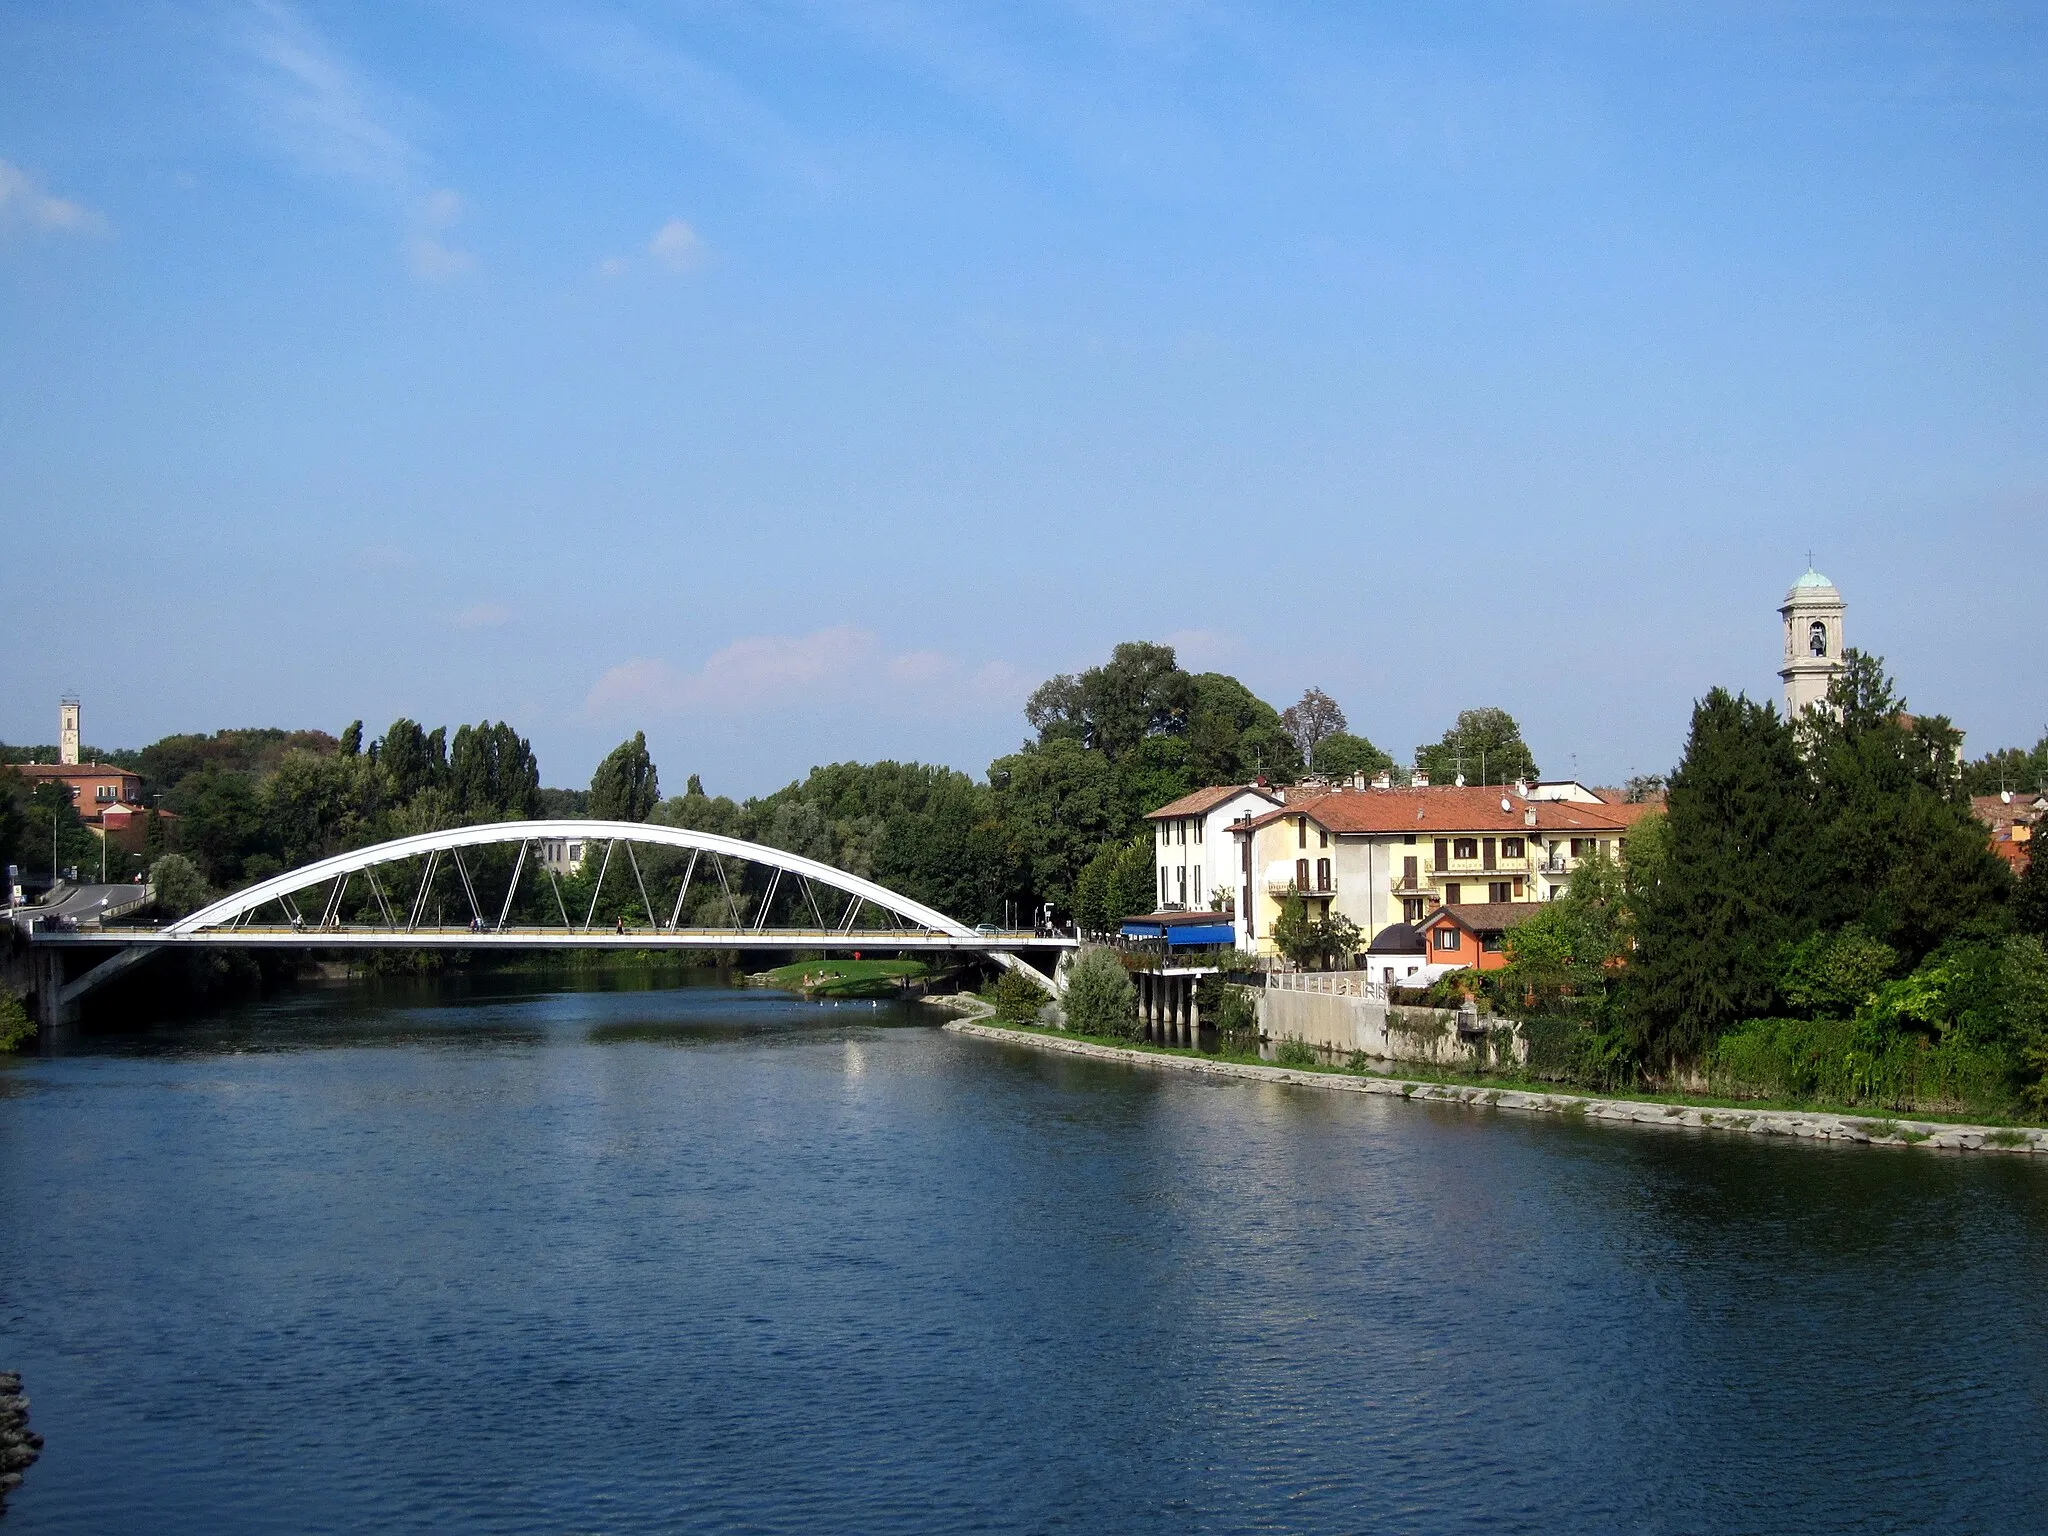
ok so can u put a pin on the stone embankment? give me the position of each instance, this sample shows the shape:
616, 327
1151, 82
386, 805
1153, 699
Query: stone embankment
1805, 1125
19, 1446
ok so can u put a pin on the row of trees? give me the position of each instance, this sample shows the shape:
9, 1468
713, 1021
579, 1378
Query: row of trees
1818, 898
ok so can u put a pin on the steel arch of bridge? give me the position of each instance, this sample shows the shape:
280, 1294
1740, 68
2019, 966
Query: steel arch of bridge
228, 920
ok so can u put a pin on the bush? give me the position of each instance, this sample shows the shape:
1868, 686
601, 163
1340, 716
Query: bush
1295, 1053
1580, 1048
16, 1027
1018, 998
1100, 999
1237, 1020
178, 885
1853, 1061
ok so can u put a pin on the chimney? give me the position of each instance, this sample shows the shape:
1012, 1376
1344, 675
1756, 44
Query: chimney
1419, 779
1529, 817
1358, 779
1383, 780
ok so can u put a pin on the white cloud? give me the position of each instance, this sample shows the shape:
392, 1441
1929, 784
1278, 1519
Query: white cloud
325, 116
764, 672
25, 202
676, 246
483, 616
430, 257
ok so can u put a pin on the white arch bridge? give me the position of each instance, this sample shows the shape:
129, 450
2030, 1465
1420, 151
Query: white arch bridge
495, 887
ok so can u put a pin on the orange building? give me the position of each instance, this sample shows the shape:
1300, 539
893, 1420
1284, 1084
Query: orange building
95, 787
1474, 934
2011, 820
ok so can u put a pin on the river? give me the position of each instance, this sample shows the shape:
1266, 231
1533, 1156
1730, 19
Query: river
490, 1257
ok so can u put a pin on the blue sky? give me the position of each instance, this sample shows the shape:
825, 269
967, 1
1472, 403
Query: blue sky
805, 379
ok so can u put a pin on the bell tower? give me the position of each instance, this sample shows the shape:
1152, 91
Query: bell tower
1813, 640
67, 730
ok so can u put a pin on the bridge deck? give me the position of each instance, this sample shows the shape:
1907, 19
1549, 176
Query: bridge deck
283, 937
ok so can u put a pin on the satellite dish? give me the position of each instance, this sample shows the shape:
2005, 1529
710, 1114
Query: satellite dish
1504, 805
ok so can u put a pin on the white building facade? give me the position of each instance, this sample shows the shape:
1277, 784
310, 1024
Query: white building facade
1193, 853
1812, 613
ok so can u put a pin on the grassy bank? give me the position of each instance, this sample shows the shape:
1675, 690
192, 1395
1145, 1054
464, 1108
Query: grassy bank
1521, 1082
845, 978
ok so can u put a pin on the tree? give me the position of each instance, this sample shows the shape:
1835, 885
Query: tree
177, 886
1139, 692
222, 825
352, 739
2013, 769
413, 759
1341, 754
1895, 848
1100, 999
626, 786
1643, 787
1309, 719
1234, 735
1018, 997
1571, 947
1485, 747
1312, 943
1729, 891
492, 773
1117, 883
1057, 804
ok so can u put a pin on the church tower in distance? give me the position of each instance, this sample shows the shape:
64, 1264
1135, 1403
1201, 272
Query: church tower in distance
1813, 640
67, 730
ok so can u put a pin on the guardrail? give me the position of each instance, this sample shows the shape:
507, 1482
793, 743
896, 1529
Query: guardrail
1329, 984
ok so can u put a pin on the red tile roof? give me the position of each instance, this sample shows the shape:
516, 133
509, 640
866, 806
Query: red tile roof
1483, 916
1439, 811
1202, 801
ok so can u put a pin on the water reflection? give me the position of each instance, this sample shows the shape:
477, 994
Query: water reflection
504, 1258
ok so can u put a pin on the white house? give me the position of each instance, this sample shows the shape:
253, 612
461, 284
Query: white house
1193, 854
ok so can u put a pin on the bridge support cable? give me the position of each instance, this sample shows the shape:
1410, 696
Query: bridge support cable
852, 911
419, 901
561, 906
468, 887
675, 918
761, 917
645, 905
811, 896
390, 919
598, 889
330, 916
518, 868
718, 868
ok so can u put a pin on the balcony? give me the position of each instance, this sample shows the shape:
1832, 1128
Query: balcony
1280, 890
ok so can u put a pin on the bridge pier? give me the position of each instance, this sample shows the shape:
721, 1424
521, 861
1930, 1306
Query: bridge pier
53, 1015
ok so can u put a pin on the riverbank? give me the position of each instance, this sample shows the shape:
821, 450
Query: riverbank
1804, 1125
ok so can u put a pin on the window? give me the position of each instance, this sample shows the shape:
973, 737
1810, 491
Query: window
1453, 894
1581, 845
1322, 837
1301, 831
1518, 888
1486, 855
1511, 848
1498, 890
1443, 852
1409, 839
1465, 848
1817, 638
1301, 874
1408, 873
1162, 885
1493, 943
1447, 937
1411, 909
1322, 874
1198, 829
1183, 885
103, 793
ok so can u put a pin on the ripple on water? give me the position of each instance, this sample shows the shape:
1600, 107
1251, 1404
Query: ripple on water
464, 1259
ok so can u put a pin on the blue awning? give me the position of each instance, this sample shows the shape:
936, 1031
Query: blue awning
1183, 935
